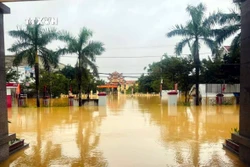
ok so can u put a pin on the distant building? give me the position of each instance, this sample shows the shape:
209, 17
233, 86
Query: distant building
24, 69
117, 82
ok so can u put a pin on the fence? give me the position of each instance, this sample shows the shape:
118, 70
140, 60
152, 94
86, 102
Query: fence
217, 88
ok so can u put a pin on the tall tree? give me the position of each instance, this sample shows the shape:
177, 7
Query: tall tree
86, 52
231, 25
197, 29
31, 45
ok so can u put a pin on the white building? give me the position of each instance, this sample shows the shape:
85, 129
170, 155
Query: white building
24, 69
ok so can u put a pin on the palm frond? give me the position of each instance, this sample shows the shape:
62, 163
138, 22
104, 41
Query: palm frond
212, 45
206, 32
31, 58
212, 19
88, 63
49, 58
19, 46
66, 37
229, 18
20, 34
179, 30
92, 49
21, 55
84, 35
235, 45
225, 32
179, 46
47, 36
63, 51
196, 13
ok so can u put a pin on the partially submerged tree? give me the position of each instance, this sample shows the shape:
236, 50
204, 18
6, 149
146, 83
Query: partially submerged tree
197, 30
31, 43
86, 52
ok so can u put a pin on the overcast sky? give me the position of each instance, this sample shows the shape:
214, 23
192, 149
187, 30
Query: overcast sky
128, 28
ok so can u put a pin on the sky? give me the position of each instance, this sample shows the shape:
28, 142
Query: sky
128, 28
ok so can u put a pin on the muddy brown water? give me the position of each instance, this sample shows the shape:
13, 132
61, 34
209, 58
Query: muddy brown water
128, 132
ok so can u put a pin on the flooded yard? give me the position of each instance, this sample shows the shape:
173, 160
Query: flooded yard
129, 131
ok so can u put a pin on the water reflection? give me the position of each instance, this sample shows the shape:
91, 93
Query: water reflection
129, 131
57, 136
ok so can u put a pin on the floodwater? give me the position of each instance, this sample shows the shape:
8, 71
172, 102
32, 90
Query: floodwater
128, 132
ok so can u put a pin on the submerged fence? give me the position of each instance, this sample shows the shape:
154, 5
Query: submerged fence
225, 88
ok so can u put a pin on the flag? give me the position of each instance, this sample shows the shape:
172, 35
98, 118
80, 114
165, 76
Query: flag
223, 87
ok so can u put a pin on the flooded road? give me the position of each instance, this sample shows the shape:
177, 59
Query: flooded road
128, 132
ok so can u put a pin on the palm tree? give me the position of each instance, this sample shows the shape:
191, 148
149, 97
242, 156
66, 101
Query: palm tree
231, 25
196, 30
86, 52
31, 45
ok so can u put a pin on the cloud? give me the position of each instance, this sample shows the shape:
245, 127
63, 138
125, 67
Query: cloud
117, 23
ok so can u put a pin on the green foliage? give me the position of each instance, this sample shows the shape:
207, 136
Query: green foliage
172, 70
145, 84
132, 89
69, 72
211, 71
55, 83
31, 41
12, 75
231, 25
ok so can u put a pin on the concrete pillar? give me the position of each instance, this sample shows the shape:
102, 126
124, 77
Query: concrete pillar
243, 138
4, 139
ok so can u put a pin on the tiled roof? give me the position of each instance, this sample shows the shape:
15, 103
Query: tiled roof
130, 82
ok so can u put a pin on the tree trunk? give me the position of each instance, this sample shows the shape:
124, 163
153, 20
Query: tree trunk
37, 81
186, 99
80, 81
80, 90
197, 71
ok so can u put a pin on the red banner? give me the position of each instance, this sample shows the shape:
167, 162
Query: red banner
11, 84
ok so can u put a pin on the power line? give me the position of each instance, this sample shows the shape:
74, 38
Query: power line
141, 47
138, 57
129, 57
106, 73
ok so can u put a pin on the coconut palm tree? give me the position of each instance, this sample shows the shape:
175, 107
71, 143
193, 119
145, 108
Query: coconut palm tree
86, 52
31, 45
197, 30
231, 25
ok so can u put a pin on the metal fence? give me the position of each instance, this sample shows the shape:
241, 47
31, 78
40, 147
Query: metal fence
217, 88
